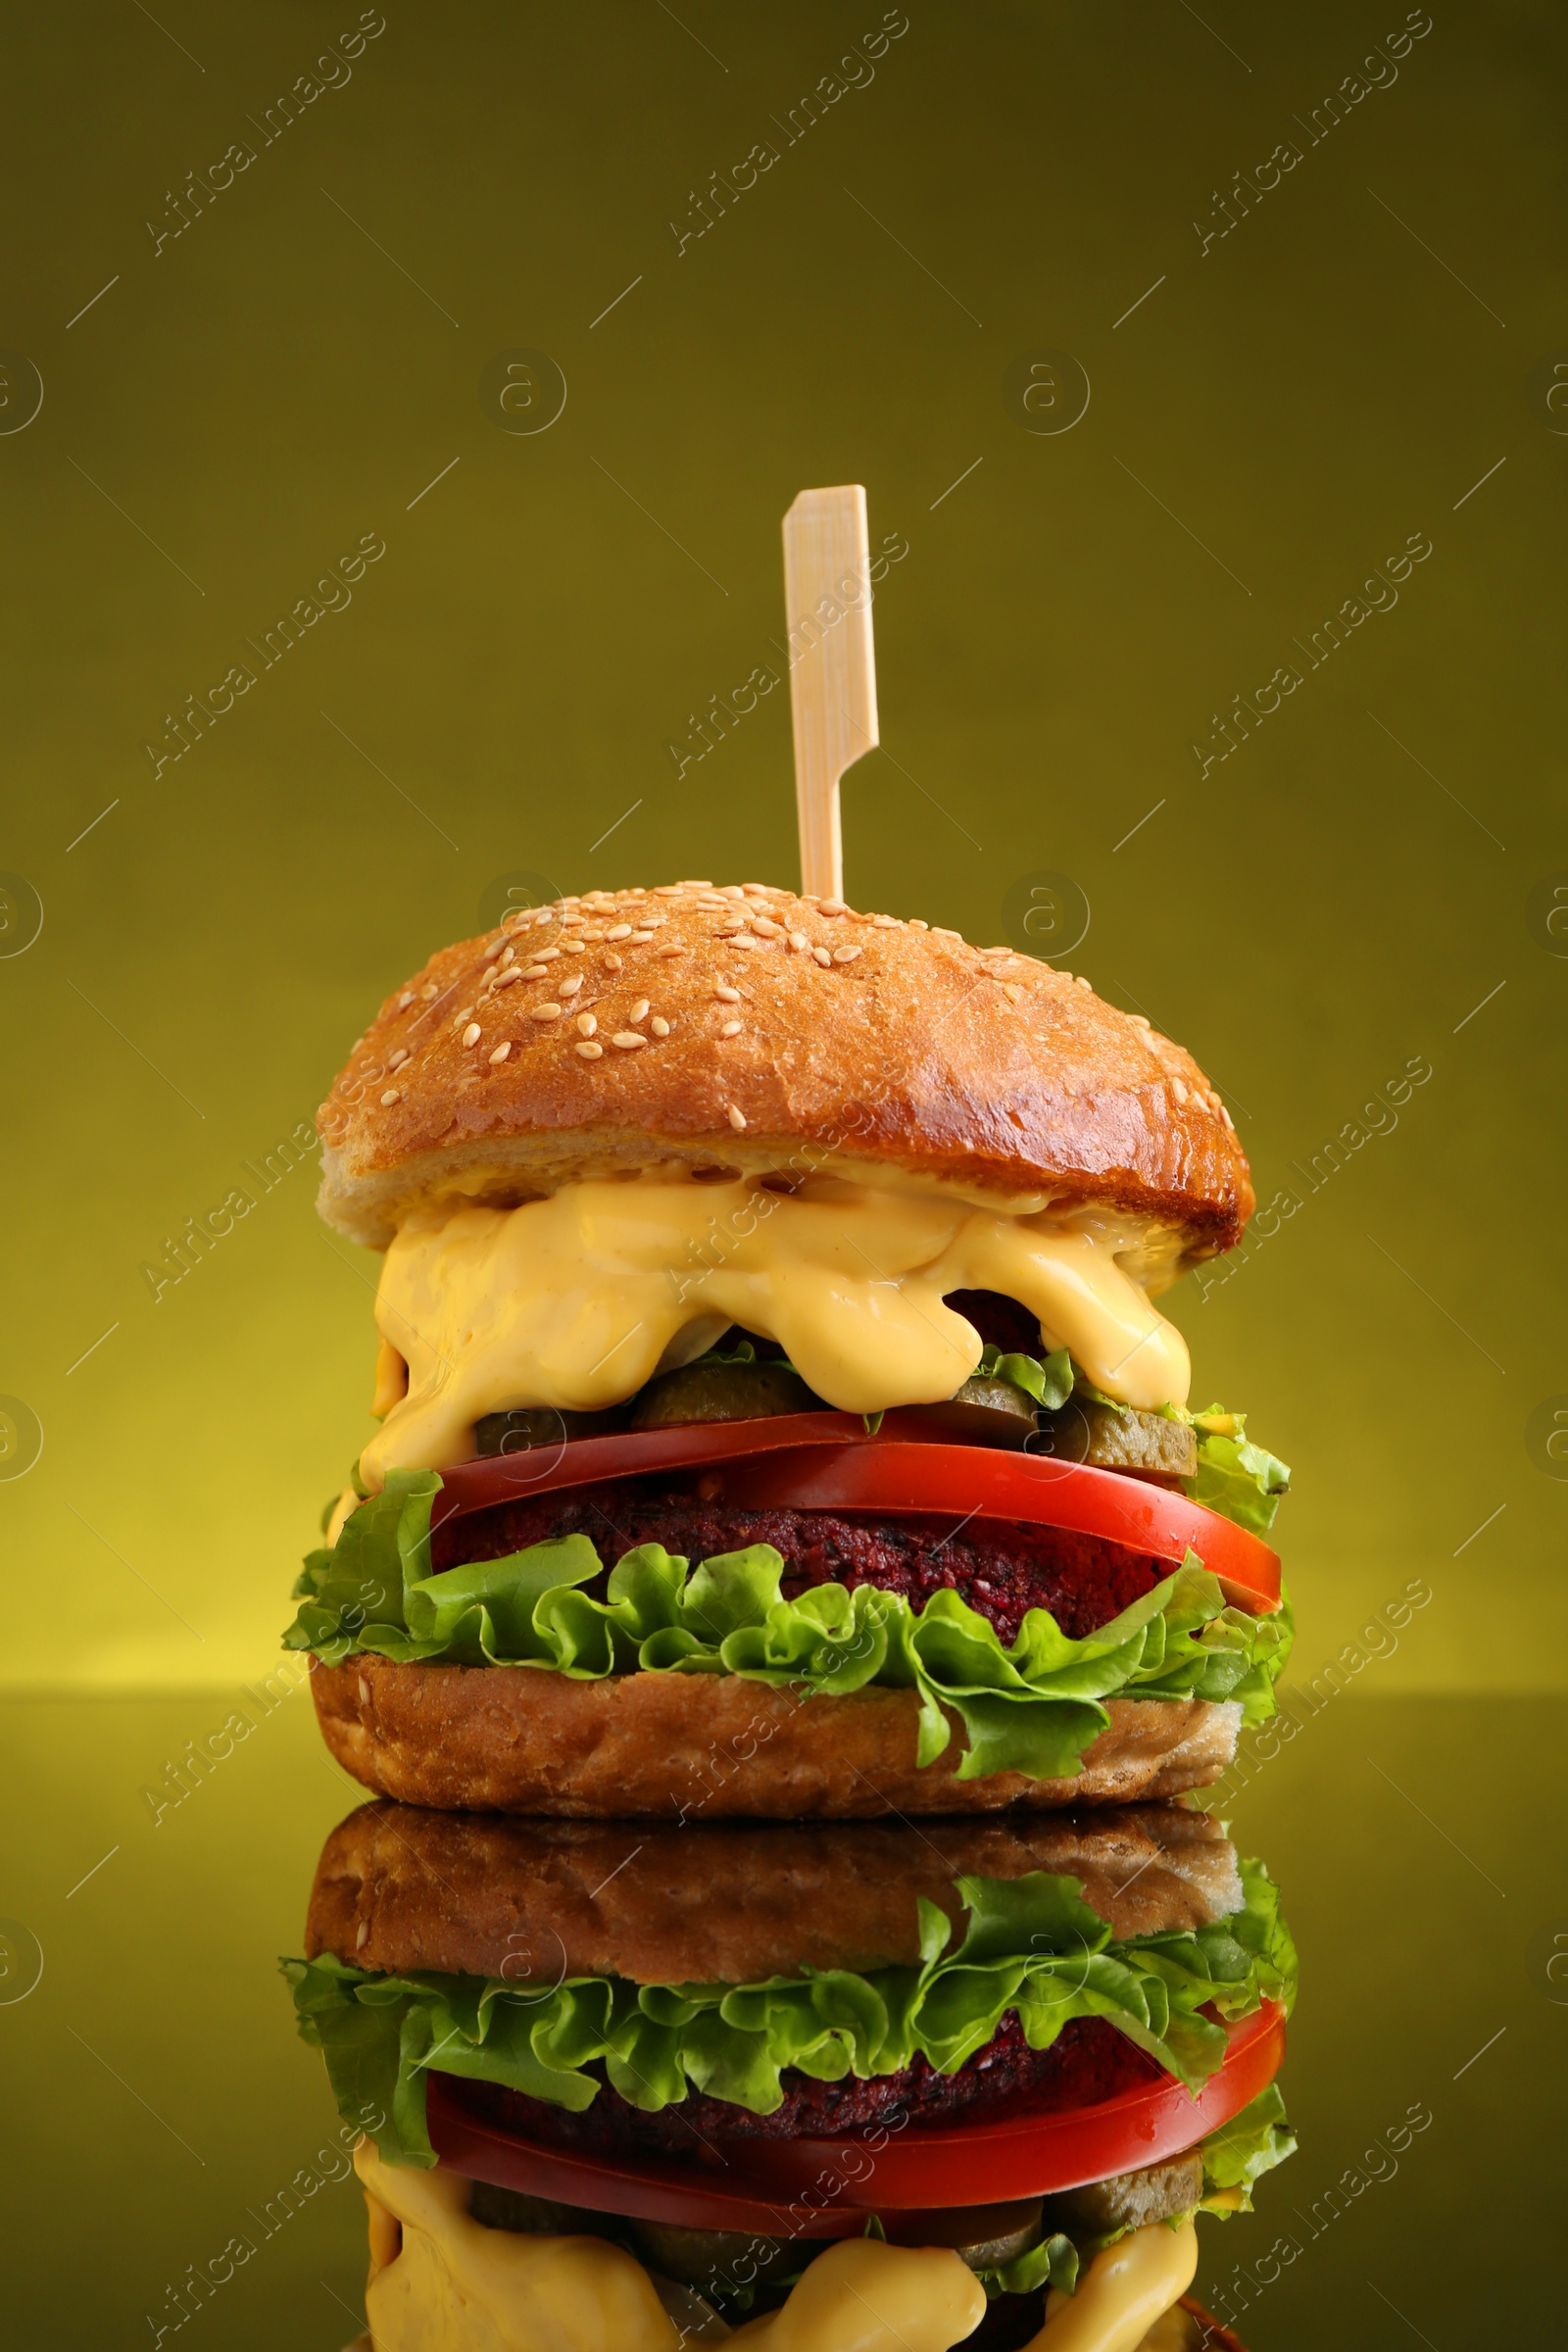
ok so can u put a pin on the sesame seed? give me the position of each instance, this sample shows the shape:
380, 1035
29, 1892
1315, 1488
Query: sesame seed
669, 890
537, 971
595, 936
639, 1011
517, 973
833, 906
1139, 1020
845, 954
589, 1052
457, 1018
1226, 1116
939, 933
821, 956
501, 1052
619, 931
758, 890
915, 925
737, 1118
727, 996
887, 922
542, 1012
570, 987
401, 1055
742, 939
669, 952
627, 1038
392, 1095
731, 890
587, 1022
1012, 990
470, 1035
428, 991
766, 924
658, 1026
1081, 982
544, 955
614, 963
640, 938
798, 941
574, 947
510, 955
406, 999
1178, 1089
730, 1029
491, 952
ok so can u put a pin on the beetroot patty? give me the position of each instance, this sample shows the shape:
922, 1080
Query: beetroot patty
1001, 1568
1089, 2061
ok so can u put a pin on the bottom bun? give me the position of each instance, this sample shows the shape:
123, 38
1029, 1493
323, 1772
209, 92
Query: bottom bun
513, 1739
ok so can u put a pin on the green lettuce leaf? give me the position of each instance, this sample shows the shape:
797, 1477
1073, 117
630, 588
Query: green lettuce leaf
1053, 2263
1236, 1478
1033, 1707
1242, 2151
742, 1351
1029, 1944
1050, 1384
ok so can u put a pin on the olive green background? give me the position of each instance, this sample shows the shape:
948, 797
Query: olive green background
1364, 883
1294, 402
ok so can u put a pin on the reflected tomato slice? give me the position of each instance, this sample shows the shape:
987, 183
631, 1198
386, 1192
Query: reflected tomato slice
826, 2187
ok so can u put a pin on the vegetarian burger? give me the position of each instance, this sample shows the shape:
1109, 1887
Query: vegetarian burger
774, 1418
984, 2074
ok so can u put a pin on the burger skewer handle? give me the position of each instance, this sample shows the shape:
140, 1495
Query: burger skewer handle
828, 606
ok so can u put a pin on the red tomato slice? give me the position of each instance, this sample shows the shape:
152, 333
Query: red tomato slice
826, 2187
828, 1462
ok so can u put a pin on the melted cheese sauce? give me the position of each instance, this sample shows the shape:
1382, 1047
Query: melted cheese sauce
1124, 2292
454, 2285
576, 1301
457, 2286
863, 2296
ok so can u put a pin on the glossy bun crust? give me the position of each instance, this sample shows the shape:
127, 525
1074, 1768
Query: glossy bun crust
757, 1030
705, 1746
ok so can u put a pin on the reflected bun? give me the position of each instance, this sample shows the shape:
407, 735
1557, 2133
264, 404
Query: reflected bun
879, 1049
401, 1888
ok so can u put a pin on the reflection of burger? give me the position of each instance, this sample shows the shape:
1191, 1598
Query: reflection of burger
767, 1366
967, 2081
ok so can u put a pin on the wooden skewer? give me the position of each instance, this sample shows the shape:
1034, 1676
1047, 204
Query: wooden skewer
827, 604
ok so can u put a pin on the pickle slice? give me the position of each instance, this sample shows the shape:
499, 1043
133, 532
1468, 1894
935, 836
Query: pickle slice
1129, 2200
722, 1393
1137, 1443
985, 1411
985, 2236
709, 2259
528, 1426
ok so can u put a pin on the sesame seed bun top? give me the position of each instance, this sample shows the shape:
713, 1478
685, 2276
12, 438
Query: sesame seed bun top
750, 1028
